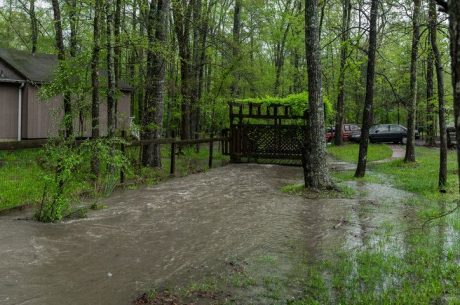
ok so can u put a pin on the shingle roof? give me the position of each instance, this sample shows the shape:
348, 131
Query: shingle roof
37, 68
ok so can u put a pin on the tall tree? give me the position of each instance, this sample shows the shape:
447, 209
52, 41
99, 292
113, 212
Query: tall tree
33, 26
433, 30
95, 58
157, 31
59, 37
452, 7
111, 82
234, 90
454, 26
430, 111
369, 101
316, 171
340, 109
412, 106
182, 11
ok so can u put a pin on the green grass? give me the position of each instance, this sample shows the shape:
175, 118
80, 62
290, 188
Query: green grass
20, 178
349, 152
422, 177
342, 191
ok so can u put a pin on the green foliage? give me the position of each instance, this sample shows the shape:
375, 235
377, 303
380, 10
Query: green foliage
298, 102
68, 170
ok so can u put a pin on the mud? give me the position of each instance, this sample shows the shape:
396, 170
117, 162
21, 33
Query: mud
180, 231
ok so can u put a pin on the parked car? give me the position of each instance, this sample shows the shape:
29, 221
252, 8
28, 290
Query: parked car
451, 137
347, 130
384, 133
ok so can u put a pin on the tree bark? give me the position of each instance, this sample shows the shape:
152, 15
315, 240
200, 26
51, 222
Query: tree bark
369, 100
111, 85
433, 30
68, 124
157, 32
316, 171
33, 26
412, 107
95, 58
340, 109
182, 16
454, 28
234, 89
430, 111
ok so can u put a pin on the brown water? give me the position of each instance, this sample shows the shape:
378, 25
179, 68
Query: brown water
179, 231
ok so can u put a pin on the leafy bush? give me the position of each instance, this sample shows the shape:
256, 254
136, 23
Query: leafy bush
298, 102
68, 173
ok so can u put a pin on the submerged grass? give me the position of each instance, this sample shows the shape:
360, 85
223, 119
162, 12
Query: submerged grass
22, 183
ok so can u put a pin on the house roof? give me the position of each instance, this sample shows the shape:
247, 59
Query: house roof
38, 68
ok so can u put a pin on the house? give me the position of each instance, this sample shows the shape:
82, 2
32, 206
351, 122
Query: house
23, 115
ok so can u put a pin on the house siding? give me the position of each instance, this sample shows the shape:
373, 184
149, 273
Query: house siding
43, 117
9, 95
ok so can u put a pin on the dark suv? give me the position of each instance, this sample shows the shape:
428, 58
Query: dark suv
385, 133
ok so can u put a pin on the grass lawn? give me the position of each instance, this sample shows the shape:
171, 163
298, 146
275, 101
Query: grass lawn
420, 177
349, 152
20, 178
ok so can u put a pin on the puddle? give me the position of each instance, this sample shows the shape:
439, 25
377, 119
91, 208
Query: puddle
180, 231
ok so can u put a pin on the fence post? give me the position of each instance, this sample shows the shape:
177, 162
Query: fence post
173, 155
211, 149
123, 151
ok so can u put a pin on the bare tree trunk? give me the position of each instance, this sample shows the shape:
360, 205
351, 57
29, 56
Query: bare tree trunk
68, 124
234, 90
346, 18
182, 15
33, 26
412, 109
454, 26
433, 27
430, 116
316, 171
154, 95
369, 101
111, 85
117, 46
95, 82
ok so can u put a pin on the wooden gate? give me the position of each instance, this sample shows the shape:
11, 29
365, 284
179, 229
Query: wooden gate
266, 134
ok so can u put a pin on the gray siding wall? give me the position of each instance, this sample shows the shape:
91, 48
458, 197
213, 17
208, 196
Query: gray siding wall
43, 117
8, 72
9, 111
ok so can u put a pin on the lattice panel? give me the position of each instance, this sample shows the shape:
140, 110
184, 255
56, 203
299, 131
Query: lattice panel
272, 141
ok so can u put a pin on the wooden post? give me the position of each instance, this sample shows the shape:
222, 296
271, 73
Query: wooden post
173, 155
211, 149
123, 151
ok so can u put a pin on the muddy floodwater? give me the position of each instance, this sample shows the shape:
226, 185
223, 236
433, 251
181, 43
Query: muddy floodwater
179, 231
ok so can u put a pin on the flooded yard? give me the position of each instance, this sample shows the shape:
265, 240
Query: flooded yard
183, 230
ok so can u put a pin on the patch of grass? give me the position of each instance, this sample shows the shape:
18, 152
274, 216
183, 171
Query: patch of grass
20, 178
349, 152
371, 177
416, 270
341, 191
422, 177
